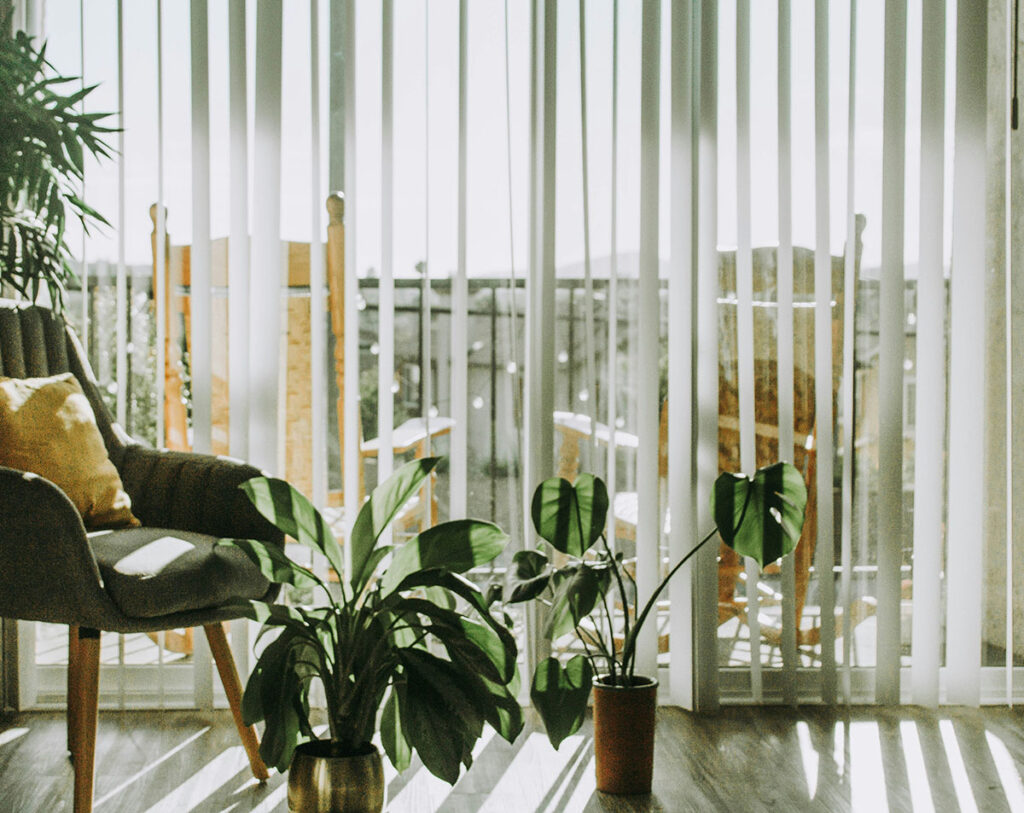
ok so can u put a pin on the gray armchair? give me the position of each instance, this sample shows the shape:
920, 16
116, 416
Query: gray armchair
166, 574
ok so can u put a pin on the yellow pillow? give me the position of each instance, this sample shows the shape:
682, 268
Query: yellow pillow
48, 427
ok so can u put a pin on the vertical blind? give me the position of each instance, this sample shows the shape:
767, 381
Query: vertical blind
732, 207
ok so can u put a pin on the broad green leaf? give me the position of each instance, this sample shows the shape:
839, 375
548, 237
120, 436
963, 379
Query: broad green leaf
560, 695
290, 512
392, 737
455, 546
437, 717
528, 577
570, 517
761, 518
377, 512
466, 590
272, 562
579, 588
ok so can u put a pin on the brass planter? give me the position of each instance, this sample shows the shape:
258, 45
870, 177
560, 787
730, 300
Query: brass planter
624, 735
320, 781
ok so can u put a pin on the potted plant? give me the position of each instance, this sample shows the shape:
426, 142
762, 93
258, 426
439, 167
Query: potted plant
43, 142
759, 517
408, 646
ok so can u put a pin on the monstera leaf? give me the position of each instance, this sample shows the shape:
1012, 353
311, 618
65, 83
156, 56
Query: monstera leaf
560, 694
760, 517
570, 516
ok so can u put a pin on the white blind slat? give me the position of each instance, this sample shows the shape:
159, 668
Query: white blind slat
930, 417
681, 339
706, 562
824, 549
785, 332
966, 479
745, 318
460, 291
890, 360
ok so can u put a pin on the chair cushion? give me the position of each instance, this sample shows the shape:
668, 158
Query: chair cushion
150, 572
48, 427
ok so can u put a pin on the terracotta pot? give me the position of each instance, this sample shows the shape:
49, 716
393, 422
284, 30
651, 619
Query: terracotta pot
624, 735
320, 781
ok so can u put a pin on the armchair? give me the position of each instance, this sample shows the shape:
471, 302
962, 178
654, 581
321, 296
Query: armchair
166, 574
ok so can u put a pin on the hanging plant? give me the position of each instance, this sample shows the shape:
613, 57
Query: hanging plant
43, 142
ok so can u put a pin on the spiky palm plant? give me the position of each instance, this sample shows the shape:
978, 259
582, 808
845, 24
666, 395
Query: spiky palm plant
43, 141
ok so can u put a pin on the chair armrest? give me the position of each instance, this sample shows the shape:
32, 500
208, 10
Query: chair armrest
47, 570
193, 492
409, 435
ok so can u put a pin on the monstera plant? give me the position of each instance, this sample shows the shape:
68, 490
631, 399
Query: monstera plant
404, 643
44, 139
589, 593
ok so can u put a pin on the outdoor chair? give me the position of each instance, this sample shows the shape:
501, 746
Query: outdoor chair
165, 574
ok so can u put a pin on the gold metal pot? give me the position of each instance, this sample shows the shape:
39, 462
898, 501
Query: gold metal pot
320, 781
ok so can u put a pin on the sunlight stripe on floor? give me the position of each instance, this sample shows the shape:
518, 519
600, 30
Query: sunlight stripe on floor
809, 757
149, 767
917, 772
1008, 774
197, 789
12, 734
957, 769
867, 775
424, 791
543, 767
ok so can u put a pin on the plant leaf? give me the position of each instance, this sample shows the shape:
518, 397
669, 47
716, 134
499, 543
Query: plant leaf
560, 695
455, 546
289, 511
272, 562
570, 517
392, 736
579, 588
761, 517
528, 577
377, 512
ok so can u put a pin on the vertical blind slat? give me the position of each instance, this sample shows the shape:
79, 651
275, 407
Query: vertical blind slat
200, 281
890, 362
238, 240
785, 332
681, 339
160, 271
200, 286
967, 362
265, 320
238, 268
745, 317
824, 549
648, 530
121, 366
612, 347
351, 429
930, 417
848, 317
460, 291
706, 564
317, 277
386, 292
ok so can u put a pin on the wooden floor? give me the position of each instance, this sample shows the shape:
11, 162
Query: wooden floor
743, 759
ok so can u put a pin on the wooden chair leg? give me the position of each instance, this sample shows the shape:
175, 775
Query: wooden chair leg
72, 686
233, 689
87, 675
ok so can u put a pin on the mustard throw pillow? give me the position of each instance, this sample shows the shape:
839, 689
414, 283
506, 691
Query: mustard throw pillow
48, 427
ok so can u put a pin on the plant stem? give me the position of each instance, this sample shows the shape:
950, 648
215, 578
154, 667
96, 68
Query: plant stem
622, 595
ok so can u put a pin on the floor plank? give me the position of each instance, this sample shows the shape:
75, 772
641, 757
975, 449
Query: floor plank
741, 759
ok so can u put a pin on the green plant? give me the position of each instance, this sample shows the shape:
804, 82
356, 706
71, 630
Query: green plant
760, 517
413, 641
43, 142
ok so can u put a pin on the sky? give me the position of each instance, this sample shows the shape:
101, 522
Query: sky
426, 126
